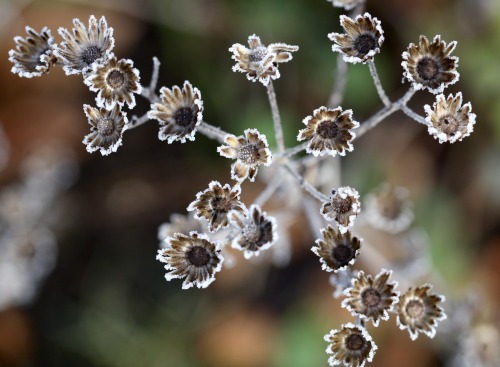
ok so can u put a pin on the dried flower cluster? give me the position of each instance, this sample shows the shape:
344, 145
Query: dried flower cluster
189, 248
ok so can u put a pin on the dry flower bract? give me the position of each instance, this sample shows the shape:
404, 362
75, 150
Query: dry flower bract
336, 251
361, 42
449, 120
329, 131
343, 207
371, 299
250, 151
34, 55
256, 231
429, 65
115, 82
351, 346
346, 4
418, 311
107, 127
193, 257
260, 62
215, 203
179, 112
389, 209
85, 46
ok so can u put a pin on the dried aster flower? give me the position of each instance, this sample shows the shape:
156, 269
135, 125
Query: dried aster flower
343, 207
179, 113
34, 54
257, 231
193, 257
390, 209
351, 346
430, 65
260, 62
215, 203
371, 299
116, 82
85, 46
449, 120
361, 42
418, 311
336, 251
250, 152
330, 131
107, 127
346, 4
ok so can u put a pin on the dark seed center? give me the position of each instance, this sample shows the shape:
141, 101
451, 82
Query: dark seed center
105, 126
365, 43
343, 254
115, 79
249, 154
185, 117
221, 204
415, 309
328, 130
342, 206
257, 55
355, 342
449, 125
198, 256
390, 207
90, 54
427, 68
371, 297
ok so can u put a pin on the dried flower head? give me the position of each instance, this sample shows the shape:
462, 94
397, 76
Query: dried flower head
336, 250
361, 42
346, 4
257, 231
330, 131
351, 346
193, 257
250, 152
418, 311
179, 112
34, 55
107, 127
449, 120
343, 207
85, 46
430, 65
390, 209
371, 299
215, 203
179, 223
115, 82
260, 62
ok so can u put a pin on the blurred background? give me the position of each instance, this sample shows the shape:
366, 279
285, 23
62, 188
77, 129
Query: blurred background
86, 289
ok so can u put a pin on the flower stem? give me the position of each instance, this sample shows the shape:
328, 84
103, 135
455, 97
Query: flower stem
340, 80
212, 132
304, 184
270, 189
415, 116
378, 84
278, 130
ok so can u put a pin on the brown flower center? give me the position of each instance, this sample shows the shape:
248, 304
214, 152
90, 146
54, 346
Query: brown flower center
355, 341
106, 126
342, 206
427, 68
257, 55
90, 54
342, 253
371, 297
365, 43
198, 256
220, 204
449, 124
390, 206
249, 154
185, 117
415, 309
115, 79
328, 130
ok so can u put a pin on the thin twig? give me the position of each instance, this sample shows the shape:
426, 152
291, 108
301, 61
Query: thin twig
212, 132
412, 114
313, 217
292, 151
378, 84
270, 189
278, 129
137, 121
339, 85
304, 184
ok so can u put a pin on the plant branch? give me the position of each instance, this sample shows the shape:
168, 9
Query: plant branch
378, 84
339, 85
304, 184
278, 129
